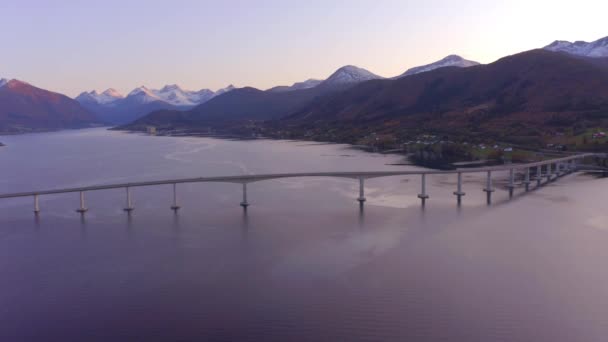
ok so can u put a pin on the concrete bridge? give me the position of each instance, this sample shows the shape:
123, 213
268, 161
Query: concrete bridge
534, 174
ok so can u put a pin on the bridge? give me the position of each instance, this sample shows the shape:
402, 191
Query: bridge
536, 172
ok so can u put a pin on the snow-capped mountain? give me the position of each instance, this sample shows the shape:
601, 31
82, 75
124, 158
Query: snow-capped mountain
598, 48
108, 97
110, 106
177, 96
310, 83
349, 74
3, 81
172, 94
451, 60
143, 95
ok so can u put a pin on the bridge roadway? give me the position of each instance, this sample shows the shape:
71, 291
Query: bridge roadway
553, 169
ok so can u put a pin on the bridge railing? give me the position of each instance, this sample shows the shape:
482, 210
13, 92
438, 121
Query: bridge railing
553, 169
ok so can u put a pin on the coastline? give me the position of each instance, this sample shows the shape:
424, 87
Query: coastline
427, 160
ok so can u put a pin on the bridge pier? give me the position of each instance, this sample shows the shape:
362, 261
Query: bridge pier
554, 173
423, 195
361, 198
129, 208
489, 189
539, 175
83, 209
549, 173
36, 205
458, 191
527, 179
511, 182
244, 203
175, 207
572, 165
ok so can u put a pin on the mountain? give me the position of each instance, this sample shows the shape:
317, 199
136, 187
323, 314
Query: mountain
237, 105
3, 81
175, 95
310, 83
598, 48
343, 77
224, 90
519, 95
107, 97
348, 75
113, 108
248, 103
451, 60
25, 108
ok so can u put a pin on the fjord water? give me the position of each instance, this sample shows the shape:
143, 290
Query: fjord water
303, 264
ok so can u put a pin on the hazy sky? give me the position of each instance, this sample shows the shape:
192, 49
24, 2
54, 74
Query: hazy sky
71, 46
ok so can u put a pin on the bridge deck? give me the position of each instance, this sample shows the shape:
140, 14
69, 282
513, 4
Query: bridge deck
244, 179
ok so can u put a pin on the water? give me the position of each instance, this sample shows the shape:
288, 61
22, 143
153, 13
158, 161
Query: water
304, 264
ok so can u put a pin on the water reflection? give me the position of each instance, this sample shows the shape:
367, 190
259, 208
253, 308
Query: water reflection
361, 215
83, 226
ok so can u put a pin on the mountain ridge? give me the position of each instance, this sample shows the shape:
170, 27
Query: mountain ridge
597, 48
26, 108
520, 94
451, 60
143, 100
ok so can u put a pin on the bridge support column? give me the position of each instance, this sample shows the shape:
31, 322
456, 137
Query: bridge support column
175, 207
548, 173
539, 175
361, 198
458, 191
527, 179
511, 182
572, 165
244, 203
129, 208
36, 205
423, 195
489, 189
83, 209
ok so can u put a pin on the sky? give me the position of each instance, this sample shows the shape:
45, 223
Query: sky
71, 46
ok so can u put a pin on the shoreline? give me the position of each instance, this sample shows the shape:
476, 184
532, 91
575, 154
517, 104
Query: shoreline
410, 158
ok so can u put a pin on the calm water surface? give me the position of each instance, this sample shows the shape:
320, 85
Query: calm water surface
304, 264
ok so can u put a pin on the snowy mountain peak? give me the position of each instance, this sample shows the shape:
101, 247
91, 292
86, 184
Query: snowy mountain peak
107, 97
170, 88
598, 48
350, 74
451, 60
140, 90
177, 96
143, 95
113, 93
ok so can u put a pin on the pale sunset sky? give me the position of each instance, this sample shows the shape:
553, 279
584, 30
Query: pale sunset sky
73, 46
